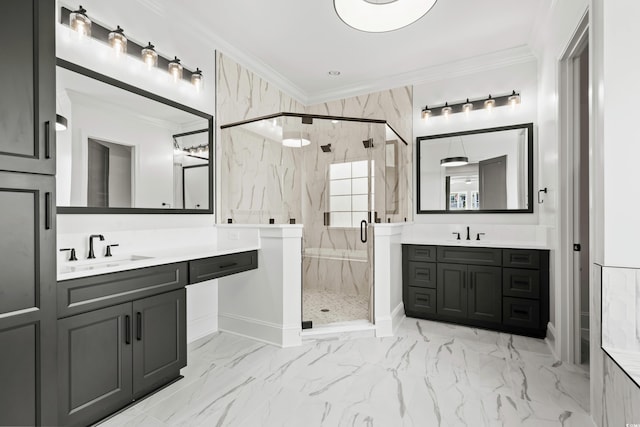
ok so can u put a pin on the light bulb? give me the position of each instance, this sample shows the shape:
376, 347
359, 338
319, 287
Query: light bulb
426, 113
197, 80
80, 22
446, 110
489, 103
467, 107
514, 99
175, 69
150, 56
118, 41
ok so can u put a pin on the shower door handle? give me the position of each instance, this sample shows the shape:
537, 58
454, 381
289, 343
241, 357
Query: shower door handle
363, 231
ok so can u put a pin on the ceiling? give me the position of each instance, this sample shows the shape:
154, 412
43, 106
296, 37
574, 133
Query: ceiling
294, 43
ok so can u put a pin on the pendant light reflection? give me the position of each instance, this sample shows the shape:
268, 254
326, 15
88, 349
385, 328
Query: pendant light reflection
61, 123
295, 139
453, 161
150, 56
118, 41
175, 69
80, 22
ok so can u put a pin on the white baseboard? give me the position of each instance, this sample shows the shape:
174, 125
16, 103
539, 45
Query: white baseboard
386, 326
397, 316
201, 327
259, 330
550, 339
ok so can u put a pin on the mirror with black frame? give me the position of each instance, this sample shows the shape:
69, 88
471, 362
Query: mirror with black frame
479, 171
126, 150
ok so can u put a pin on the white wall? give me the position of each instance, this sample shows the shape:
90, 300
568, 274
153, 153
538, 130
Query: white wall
521, 77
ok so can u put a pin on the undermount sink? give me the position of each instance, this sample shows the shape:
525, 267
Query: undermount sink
101, 263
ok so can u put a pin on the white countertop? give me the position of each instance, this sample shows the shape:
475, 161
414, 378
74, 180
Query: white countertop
476, 243
144, 258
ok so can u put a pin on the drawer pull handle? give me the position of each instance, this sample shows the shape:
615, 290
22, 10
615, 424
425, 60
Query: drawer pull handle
127, 329
520, 258
231, 264
423, 299
138, 326
523, 312
48, 214
47, 139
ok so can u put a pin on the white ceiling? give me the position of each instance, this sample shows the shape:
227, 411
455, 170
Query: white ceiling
294, 43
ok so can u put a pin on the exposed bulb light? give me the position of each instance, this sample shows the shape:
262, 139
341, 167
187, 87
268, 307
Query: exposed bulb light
377, 16
468, 181
467, 106
197, 80
118, 41
446, 110
489, 103
295, 139
80, 22
426, 113
514, 99
61, 123
150, 56
175, 69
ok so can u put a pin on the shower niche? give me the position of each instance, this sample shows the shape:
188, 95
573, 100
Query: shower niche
334, 175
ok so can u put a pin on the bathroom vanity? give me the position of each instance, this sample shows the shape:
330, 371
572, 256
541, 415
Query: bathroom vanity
122, 325
500, 288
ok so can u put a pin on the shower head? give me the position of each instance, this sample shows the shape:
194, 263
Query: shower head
368, 143
326, 148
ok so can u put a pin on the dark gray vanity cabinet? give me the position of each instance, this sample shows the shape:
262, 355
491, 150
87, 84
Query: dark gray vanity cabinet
501, 289
116, 352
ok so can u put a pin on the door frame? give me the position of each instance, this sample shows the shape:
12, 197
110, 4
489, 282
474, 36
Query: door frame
567, 305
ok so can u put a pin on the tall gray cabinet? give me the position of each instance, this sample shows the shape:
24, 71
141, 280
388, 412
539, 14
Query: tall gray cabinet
27, 214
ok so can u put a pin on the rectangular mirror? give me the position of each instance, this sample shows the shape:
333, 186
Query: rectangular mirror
126, 150
478, 171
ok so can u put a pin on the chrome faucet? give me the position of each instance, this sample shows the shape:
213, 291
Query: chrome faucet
93, 236
468, 236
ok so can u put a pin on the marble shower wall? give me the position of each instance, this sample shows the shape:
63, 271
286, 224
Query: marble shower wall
396, 107
261, 179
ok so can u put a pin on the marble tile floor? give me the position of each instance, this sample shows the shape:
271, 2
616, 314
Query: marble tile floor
428, 374
342, 308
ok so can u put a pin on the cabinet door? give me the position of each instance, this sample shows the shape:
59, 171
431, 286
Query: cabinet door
95, 351
485, 293
27, 85
27, 300
159, 347
452, 290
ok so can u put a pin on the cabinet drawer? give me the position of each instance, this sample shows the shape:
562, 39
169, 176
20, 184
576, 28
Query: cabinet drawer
520, 283
211, 268
522, 313
523, 258
464, 255
421, 253
422, 274
90, 293
421, 300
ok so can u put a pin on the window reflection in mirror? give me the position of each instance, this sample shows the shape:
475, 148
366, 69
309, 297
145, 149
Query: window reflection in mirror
123, 150
493, 172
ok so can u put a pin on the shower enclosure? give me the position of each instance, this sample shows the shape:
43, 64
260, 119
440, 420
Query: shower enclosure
334, 175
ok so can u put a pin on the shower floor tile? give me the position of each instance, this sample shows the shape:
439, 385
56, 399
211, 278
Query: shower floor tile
342, 308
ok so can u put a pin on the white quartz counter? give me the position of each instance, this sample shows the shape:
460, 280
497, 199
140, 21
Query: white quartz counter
475, 243
142, 258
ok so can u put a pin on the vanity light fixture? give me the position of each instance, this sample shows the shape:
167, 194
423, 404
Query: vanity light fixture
150, 56
467, 106
197, 80
453, 161
175, 69
426, 112
377, 16
80, 22
61, 123
118, 41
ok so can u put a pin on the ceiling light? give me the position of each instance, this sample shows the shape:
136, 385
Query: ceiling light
334, 73
377, 16
452, 161
175, 69
295, 139
197, 80
61, 122
80, 22
150, 56
467, 181
118, 41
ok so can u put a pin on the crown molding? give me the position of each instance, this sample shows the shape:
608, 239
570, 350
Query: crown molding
491, 61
